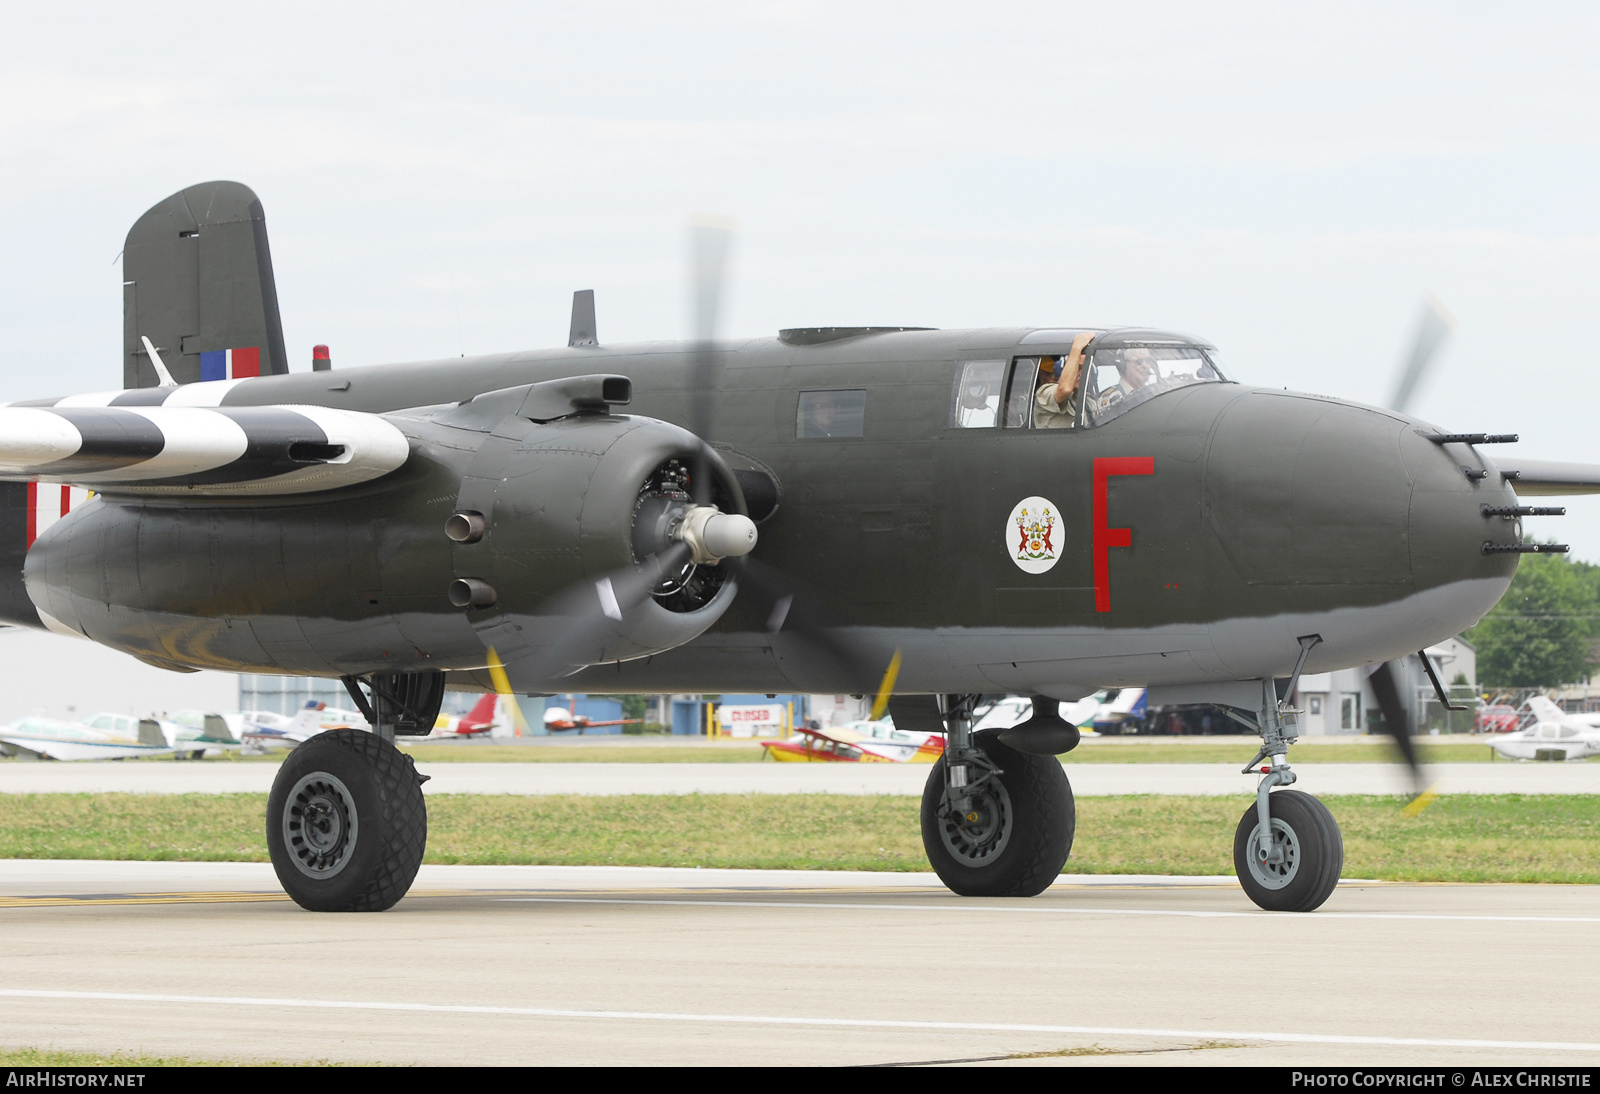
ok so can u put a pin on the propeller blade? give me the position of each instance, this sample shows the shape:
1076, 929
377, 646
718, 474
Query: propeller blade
710, 240
1433, 327
793, 609
1397, 724
711, 237
502, 688
886, 687
583, 614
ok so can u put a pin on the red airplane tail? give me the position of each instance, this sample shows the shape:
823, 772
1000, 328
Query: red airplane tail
480, 717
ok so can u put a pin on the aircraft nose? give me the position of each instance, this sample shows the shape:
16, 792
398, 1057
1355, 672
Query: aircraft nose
1348, 521
1451, 486
1311, 493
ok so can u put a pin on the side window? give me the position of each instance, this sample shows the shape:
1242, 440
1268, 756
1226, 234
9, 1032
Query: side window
975, 401
831, 414
1019, 392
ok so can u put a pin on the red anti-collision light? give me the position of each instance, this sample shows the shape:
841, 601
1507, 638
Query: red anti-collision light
319, 353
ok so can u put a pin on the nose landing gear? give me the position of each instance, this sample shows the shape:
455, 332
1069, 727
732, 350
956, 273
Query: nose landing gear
1288, 851
1297, 870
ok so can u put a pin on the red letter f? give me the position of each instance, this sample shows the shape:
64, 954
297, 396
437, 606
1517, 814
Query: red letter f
1106, 538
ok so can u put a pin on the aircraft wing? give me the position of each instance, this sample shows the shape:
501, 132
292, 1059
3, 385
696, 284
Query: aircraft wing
1551, 478
206, 451
82, 750
836, 734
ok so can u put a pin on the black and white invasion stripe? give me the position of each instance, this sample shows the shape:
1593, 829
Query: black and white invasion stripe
135, 447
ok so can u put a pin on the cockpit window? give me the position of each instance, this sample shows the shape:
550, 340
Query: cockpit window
1119, 379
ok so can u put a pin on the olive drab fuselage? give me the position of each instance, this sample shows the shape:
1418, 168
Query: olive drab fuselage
1194, 538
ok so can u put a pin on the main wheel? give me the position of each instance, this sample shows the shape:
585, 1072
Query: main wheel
1015, 836
346, 823
1313, 854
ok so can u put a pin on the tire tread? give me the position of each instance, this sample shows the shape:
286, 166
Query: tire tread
1321, 849
1037, 852
401, 823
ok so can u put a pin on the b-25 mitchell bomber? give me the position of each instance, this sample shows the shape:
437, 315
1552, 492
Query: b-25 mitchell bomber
1044, 511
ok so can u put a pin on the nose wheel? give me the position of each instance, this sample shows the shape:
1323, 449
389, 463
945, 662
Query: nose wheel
1298, 868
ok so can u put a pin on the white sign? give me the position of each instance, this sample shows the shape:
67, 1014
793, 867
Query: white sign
1034, 534
751, 721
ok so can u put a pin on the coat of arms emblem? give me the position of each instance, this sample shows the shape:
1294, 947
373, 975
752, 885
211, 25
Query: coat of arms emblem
1033, 534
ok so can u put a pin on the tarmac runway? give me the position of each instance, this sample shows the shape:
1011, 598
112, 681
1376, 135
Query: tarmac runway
609, 965
1088, 780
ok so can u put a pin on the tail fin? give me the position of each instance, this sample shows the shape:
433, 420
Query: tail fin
197, 281
481, 714
1545, 710
216, 729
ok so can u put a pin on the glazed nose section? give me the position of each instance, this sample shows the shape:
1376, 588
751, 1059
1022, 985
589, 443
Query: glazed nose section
1308, 492
1452, 486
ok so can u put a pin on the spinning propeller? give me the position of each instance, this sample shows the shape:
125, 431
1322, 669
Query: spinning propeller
1433, 327
788, 605
698, 535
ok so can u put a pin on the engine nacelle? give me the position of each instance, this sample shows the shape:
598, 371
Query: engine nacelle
553, 520
532, 537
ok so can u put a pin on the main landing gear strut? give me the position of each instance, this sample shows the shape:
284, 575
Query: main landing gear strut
346, 821
996, 821
1287, 851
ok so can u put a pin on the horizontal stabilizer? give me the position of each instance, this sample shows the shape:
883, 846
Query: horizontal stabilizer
1551, 478
205, 451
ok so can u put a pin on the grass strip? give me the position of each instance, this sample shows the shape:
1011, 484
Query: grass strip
1462, 838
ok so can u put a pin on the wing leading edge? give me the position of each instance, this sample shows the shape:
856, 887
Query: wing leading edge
207, 451
1551, 478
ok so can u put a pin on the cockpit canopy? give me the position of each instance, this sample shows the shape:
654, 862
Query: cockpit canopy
1126, 368
1121, 369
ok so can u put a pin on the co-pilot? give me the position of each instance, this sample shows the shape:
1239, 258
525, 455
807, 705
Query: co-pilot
1055, 404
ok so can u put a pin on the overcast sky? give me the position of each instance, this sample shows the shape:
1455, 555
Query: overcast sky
1285, 180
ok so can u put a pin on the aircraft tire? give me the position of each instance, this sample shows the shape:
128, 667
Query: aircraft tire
1021, 854
1316, 848
346, 823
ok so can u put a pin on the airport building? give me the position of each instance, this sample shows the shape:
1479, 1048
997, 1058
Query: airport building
1343, 702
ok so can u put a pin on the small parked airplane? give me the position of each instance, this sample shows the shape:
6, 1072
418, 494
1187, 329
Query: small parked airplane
189, 732
40, 738
264, 729
557, 720
1554, 735
878, 744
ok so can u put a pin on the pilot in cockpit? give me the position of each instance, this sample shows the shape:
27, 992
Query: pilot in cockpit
1136, 368
1055, 403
